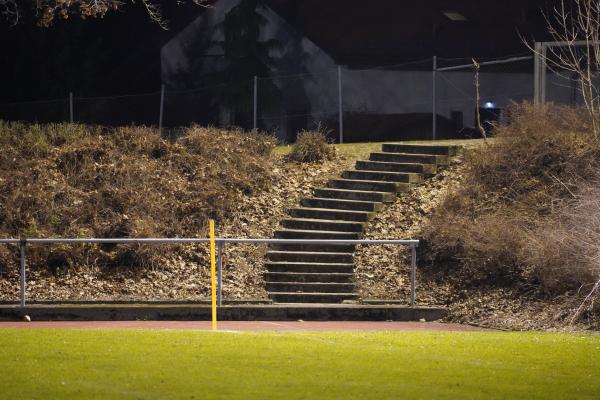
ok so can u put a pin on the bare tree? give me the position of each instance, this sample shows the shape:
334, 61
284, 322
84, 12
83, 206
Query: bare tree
47, 11
575, 26
479, 127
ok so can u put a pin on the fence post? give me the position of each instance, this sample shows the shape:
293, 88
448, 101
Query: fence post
434, 103
255, 103
413, 273
71, 118
340, 106
162, 103
23, 246
220, 246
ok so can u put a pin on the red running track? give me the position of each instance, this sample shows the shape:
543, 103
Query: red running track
245, 325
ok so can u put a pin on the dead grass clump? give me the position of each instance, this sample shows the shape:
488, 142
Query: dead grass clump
65, 180
513, 221
312, 146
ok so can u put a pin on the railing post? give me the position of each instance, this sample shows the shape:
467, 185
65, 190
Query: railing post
220, 246
23, 246
413, 273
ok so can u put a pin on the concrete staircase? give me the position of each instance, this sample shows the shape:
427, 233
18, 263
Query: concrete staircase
323, 273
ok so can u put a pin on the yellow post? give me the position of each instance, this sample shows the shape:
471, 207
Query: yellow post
213, 274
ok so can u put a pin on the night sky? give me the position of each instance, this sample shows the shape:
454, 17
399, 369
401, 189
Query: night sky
120, 54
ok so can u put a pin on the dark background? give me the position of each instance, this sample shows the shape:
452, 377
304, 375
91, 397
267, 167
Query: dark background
120, 54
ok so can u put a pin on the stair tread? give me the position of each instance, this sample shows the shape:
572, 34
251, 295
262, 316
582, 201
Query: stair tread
390, 162
314, 231
330, 209
309, 263
342, 200
382, 172
311, 283
312, 273
322, 220
314, 293
353, 191
305, 252
409, 154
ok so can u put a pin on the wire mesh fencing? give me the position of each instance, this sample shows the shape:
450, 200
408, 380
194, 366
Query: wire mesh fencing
434, 98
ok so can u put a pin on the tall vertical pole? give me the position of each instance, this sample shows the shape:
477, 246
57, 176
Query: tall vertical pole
340, 105
213, 274
255, 111
543, 70
536, 73
71, 118
162, 105
220, 246
413, 273
23, 277
434, 102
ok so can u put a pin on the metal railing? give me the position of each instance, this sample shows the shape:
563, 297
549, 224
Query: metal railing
220, 242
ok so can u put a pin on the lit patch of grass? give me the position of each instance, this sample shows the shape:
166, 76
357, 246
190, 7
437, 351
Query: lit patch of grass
74, 364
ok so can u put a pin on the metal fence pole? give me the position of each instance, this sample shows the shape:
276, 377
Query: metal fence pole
434, 103
23, 245
543, 73
162, 104
340, 105
255, 104
71, 117
220, 246
413, 273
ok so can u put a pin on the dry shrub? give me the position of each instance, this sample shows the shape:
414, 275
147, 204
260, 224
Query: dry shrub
312, 146
65, 180
513, 220
567, 246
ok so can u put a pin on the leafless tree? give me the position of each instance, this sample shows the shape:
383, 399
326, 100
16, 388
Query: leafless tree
47, 11
575, 25
479, 127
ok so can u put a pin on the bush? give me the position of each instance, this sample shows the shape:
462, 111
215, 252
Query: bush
516, 218
312, 146
65, 180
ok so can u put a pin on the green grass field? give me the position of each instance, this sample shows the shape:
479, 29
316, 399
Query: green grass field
145, 364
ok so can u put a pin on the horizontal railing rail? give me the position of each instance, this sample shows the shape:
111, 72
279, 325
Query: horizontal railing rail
220, 242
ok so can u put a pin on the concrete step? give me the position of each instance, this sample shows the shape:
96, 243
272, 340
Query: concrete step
421, 149
307, 267
368, 185
201, 311
317, 248
328, 214
360, 195
310, 257
325, 225
352, 205
308, 234
310, 287
327, 298
410, 158
426, 169
403, 177
308, 277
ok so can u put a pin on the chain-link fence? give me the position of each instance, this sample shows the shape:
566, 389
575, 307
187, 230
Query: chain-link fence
392, 102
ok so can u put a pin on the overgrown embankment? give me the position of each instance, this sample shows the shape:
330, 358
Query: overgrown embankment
525, 222
69, 180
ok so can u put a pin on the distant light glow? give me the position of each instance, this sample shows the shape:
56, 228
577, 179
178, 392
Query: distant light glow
489, 104
454, 15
